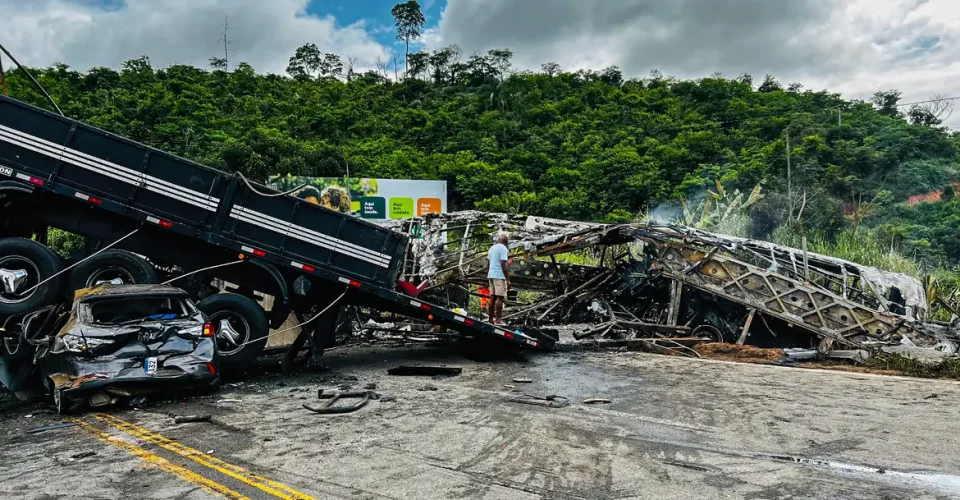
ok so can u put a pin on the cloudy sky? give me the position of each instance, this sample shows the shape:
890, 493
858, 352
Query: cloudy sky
854, 47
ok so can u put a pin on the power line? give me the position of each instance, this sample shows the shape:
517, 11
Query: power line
929, 101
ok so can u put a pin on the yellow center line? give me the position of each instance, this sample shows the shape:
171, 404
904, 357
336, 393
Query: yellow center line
162, 463
274, 488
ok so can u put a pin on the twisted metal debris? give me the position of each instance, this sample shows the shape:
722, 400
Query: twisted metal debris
652, 281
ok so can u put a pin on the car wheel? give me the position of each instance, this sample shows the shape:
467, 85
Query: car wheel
241, 329
23, 265
113, 266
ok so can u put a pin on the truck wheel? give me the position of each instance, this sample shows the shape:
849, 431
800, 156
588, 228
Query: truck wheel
113, 265
241, 326
24, 264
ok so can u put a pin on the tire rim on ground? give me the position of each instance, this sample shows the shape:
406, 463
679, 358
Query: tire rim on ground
108, 274
16, 263
232, 331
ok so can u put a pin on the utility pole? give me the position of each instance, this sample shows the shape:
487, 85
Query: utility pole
3, 76
226, 43
839, 116
789, 175
396, 74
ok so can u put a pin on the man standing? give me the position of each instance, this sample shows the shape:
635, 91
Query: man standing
499, 277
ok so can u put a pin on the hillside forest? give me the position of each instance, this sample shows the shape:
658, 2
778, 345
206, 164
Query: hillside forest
786, 162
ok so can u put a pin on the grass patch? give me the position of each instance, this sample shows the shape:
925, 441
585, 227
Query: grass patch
945, 368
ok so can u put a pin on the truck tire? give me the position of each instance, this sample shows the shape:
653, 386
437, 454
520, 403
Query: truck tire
112, 264
39, 263
241, 326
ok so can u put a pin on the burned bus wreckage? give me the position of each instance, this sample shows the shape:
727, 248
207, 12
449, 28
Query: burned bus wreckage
657, 285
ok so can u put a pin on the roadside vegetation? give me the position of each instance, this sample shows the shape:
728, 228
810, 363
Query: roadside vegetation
752, 156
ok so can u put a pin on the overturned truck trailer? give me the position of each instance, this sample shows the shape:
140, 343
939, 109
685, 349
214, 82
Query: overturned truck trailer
654, 280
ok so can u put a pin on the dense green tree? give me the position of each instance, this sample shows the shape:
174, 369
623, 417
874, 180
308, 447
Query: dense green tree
590, 145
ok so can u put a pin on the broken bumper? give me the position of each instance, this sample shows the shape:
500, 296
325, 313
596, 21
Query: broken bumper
77, 378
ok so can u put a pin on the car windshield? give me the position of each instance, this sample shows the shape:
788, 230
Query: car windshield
133, 309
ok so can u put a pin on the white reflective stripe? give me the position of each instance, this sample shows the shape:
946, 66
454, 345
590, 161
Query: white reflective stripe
460, 318
104, 164
415, 303
343, 280
246, 249
294, 231
153, 220
323, 237
109, 169
138, 180
22, 176
81, 196
147, 182
373, 254
257, 222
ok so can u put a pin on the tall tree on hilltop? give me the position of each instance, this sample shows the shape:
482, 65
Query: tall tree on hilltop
410, 23
305, 61
887, 102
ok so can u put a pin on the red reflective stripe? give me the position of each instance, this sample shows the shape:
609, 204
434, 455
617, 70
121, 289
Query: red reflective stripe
34, 180
509, 335
259, 253
308, 269
355, 283
468, 321
165, 223
95, 201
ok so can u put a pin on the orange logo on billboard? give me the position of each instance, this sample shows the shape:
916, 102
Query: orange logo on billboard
428, 206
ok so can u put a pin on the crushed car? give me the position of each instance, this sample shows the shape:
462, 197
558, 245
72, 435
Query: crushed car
116, 343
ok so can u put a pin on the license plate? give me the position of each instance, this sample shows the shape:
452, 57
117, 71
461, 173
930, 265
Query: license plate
150, 366
7, 171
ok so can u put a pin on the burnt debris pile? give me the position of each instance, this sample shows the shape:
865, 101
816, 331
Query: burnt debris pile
665, 286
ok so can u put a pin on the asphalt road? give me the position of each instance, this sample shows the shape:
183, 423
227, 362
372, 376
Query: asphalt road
675, 428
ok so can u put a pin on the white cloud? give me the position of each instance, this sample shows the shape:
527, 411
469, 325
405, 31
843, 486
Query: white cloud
264, 34
854, 47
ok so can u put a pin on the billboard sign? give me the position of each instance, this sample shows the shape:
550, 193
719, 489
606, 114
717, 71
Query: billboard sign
375, 199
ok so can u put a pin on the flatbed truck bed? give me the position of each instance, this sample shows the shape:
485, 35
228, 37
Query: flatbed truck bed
58, 172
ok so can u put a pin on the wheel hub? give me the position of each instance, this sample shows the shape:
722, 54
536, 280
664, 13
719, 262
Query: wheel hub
12, 279
228, 333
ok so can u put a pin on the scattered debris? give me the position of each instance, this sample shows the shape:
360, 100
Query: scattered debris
734, 352
371, 386
522, 380
426, 371
191, 418
51, 427
552, 401
83, 454
427, 387
228, 401
593, 401
138, 402
671, 289
333, 396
